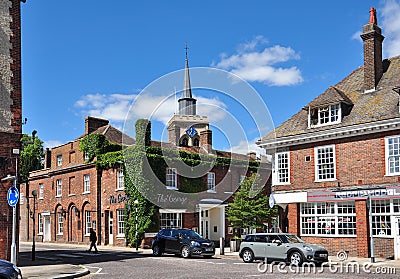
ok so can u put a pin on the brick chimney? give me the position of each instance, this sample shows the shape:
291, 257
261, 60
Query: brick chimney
92, 124
373, 39
206, 139
47, 158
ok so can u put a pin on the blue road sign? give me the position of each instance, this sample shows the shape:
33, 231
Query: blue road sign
12, 196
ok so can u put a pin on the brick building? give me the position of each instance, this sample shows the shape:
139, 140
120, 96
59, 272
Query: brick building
74, 196
10, 112
341, 150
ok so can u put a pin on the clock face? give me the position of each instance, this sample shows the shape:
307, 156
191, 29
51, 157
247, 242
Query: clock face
191, 131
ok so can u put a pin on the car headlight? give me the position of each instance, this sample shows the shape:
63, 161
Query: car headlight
16, 268
308, 248
195, 243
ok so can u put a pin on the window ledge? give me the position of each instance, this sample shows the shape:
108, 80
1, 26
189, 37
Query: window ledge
119, 189
326, 180
59, 196
71, 195
41, 198
330, 235
281, 184
60, 234
211, 191
86, 193
172, 188
392, 174
120, 236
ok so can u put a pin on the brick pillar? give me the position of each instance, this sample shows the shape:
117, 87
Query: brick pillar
294, 218
362, 229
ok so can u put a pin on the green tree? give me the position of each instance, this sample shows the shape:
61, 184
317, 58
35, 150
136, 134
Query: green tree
32, 155
248, 209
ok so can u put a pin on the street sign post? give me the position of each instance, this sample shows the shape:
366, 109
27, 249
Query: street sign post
12, 196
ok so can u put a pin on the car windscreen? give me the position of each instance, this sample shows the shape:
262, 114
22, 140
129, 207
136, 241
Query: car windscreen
291, 238
191, 235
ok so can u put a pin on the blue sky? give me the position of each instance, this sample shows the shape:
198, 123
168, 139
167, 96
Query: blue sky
94, 58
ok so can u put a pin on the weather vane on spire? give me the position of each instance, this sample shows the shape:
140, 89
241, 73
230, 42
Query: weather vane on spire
186, 48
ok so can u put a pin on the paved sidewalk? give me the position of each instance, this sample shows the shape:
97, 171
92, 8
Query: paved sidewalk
46, 268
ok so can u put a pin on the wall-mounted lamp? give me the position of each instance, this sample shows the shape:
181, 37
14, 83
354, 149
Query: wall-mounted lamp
63, 212
76, 210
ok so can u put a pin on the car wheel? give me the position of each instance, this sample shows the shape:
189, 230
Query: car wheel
296, 258
248, 256
185, 253
157, 251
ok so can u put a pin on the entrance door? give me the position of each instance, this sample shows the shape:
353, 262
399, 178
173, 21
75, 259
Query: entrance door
205, 225
110, 228
46, 228
397, 238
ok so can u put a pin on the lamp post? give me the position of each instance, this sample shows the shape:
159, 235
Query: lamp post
34, 195
369, 199
14, 223
136, 202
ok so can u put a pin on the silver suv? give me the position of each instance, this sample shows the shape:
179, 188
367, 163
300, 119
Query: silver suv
281, 247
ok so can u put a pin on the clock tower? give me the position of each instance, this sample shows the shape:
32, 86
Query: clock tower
187, 129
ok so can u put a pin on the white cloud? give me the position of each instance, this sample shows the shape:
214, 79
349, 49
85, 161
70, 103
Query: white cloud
52, 143
113, 107
260, 66
390, 12
244, 147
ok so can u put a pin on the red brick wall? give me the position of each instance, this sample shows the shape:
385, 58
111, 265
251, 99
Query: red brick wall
359, 161
10, 138
293, 218
383, 247
362, 228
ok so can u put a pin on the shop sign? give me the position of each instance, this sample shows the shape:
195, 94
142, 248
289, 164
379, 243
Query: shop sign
120, 198
330, 195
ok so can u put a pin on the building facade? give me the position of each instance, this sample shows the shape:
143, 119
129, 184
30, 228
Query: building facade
74, 196
10, 113
336, 170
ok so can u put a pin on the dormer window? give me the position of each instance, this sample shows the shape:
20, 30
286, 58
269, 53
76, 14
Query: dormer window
326, 115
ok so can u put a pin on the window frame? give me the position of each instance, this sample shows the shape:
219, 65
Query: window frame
171, 179
120, 180
211, 182
314, 214
59, 187
167, 217
276, 175
59, 160
317, 166
388, 156
88, 222
41, 191
86, 183
60, 223
328, 109
120, 223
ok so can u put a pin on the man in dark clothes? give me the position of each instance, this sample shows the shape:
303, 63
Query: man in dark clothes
93, 240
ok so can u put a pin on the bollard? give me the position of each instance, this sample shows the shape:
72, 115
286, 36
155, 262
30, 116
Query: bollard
221, 246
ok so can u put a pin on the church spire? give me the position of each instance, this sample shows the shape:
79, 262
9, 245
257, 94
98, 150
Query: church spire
187, 104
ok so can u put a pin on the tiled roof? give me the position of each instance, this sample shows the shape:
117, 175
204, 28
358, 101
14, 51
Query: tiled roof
113, 135
381, 104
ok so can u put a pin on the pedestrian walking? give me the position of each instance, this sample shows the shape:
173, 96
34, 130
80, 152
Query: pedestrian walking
93, 240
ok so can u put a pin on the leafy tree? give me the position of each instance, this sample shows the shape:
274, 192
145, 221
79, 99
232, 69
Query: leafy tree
249, 209
32, 155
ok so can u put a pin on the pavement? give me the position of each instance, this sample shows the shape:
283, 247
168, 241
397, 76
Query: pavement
46, 268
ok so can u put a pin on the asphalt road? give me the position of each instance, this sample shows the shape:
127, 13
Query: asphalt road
129, 264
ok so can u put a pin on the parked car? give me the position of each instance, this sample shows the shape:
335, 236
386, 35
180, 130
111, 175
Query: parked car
281, 247
182, 242
9, 270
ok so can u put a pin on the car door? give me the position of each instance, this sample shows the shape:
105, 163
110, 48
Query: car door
259, 246
276, 249
172, 242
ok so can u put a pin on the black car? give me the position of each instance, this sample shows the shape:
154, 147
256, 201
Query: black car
9, 270
182, 242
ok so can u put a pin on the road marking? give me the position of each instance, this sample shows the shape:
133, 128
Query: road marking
99, 269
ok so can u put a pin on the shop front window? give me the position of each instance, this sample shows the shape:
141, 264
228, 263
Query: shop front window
321, 219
